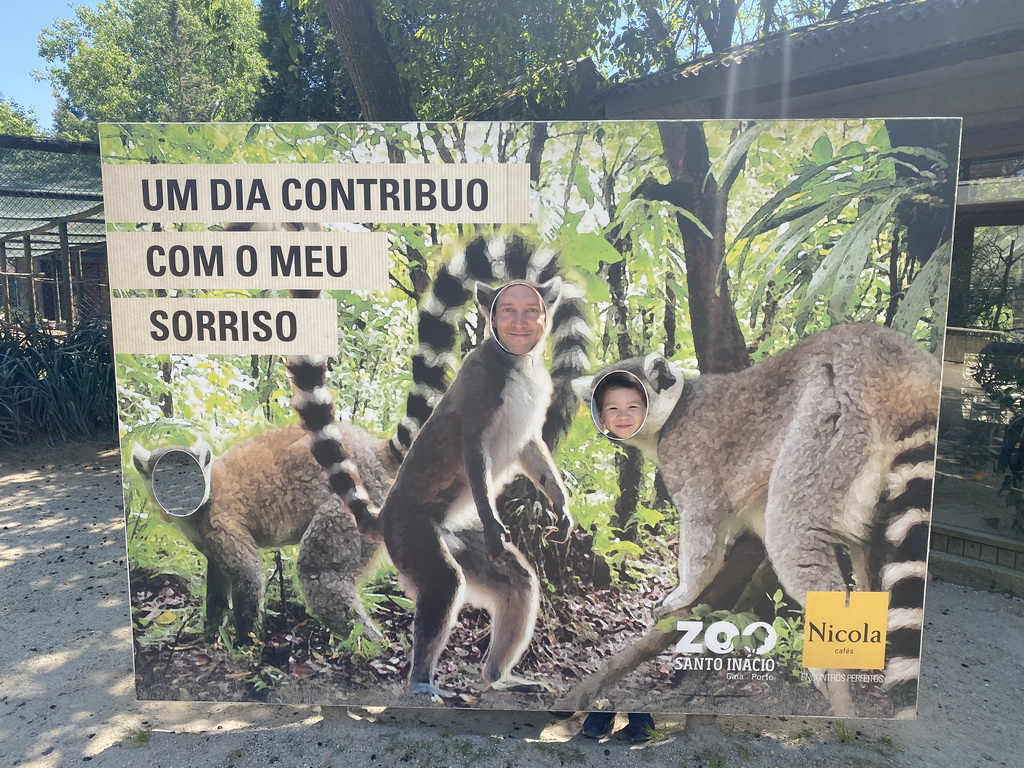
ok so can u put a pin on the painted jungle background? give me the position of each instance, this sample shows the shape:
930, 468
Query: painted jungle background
716, 244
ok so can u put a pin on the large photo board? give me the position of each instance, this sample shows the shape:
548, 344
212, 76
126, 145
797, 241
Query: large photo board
540, 416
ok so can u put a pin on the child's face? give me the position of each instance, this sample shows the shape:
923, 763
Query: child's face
622, 412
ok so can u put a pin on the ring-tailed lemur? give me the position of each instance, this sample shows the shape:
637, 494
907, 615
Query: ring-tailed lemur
485, 429
826, 448
267, 492
484, 259
438, 552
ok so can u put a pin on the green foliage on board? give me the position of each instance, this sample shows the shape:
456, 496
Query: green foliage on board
812, 241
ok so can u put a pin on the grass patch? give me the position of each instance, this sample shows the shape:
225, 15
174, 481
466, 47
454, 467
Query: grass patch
138, 737
712, 759
887, 746
842, 731
656, 734
569, 755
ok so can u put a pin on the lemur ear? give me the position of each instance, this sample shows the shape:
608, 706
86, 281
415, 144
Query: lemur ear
485, 297
202, 451
583, 387
141, 460
204, 455
550, 291
660, 373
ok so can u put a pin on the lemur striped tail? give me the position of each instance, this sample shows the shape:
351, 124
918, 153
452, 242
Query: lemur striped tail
315, 405
497, 259
483, 259
904, 576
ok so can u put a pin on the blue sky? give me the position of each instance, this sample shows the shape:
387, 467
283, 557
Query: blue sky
19, 55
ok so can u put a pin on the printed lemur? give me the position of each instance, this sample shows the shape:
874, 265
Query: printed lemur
485, 429
271, 475
826, 452
268, 492
439, 522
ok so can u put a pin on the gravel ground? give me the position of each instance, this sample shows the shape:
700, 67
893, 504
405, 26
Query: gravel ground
67, 696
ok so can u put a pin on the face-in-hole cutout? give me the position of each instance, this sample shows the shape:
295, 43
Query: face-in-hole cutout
619, 405
518, 318
179, 484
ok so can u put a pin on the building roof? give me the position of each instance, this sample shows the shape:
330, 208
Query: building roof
834, 33
45, 183
915, 58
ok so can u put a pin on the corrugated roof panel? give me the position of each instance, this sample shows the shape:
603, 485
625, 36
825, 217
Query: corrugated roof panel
849, 25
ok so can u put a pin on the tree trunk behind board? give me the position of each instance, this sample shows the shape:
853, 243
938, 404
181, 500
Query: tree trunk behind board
369, 65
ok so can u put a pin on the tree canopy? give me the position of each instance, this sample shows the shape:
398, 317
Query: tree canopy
454, 58
154, 60
200, 60
17, 120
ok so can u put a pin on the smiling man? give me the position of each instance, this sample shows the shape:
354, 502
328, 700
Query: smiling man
518, 318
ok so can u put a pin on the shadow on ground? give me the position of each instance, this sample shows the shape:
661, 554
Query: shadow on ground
67, 696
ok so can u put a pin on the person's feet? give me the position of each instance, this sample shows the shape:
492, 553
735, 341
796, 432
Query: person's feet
598, 724
640, 728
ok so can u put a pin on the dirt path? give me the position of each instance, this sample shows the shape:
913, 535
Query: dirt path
67, 697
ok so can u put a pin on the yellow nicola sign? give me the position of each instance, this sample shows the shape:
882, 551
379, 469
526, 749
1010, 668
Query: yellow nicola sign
845, 630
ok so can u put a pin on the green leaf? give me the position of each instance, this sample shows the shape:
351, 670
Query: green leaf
403, 602
851, 149
847, 258
701, 611
667, 625
926, 294
756, 223
650, 517
881, 138
588, 250
628, 548
795, 234
581, 180
857, 243
822, 151
691, 218
735, 153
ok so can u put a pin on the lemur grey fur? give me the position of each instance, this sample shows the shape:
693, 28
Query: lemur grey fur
827, 446
268, 492
507, 575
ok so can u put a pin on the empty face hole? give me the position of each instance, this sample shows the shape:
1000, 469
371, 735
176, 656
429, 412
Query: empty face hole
179, 483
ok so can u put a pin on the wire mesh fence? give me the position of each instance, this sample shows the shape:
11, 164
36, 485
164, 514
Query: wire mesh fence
89, 299
52, 234
56, 368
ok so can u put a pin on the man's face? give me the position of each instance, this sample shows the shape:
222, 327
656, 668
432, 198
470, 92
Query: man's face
519, 318
622, 412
